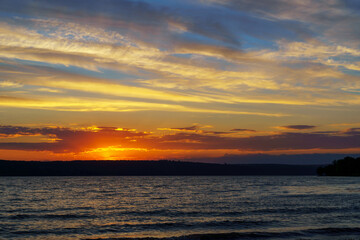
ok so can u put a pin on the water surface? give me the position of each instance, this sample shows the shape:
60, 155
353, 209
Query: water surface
171, 207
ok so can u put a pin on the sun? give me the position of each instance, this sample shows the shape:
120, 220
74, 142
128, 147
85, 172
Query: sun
114, 153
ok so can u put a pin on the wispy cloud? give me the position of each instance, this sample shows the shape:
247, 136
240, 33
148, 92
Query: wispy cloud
241, 65
8, 84
297, 127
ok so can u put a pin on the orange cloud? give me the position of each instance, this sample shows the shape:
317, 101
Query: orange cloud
113, 142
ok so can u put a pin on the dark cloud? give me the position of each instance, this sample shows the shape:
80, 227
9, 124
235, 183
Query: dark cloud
242, 130
352, 131
298, 127
216, 133
192, 128
68, 140
285, 141
326, 132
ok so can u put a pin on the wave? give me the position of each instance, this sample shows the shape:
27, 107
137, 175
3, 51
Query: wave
49, 216
305, 210
185, 225
251, 235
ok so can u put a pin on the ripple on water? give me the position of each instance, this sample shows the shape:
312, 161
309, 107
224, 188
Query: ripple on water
232, 207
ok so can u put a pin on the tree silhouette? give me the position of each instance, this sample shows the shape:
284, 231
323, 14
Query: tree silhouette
348, 166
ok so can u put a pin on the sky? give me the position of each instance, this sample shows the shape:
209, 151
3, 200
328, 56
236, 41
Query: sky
168, 79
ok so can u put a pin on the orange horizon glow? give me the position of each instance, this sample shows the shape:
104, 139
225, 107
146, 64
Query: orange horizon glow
115, 143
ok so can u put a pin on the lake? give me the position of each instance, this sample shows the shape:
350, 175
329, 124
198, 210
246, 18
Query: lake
180, 207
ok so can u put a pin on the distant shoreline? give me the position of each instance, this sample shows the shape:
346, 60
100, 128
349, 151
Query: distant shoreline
147, 168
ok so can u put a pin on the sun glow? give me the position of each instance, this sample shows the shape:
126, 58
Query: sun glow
113, 152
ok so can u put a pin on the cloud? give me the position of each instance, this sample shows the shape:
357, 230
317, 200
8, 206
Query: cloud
50, 78
8, 84
285, 141
188, 70
328, 54
268, 58
217, 132
86, 104
352, 131
242, 130
50, 90
193, 128
137, 18
298, 127
68, 140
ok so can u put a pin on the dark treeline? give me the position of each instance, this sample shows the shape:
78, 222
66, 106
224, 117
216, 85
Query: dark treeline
348, 166
146, 168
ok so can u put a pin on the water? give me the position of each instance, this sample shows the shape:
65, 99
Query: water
231, 207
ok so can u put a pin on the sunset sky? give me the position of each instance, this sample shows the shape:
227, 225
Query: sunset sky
183, 79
